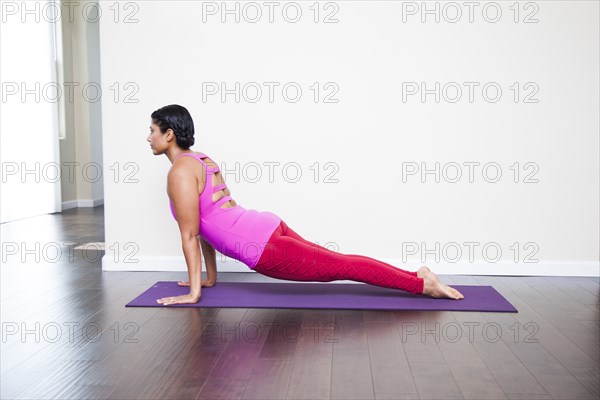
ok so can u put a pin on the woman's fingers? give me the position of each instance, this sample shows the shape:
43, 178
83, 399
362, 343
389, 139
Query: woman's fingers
183, 299
166, 300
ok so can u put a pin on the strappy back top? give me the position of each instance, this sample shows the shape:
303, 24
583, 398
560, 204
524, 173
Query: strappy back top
236, 232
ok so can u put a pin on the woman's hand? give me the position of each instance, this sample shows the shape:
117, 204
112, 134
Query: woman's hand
202, 284
183, 299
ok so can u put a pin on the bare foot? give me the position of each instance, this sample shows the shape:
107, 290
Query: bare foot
434, 288
424, 271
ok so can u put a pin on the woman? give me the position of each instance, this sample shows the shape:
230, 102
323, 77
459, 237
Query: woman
202, 205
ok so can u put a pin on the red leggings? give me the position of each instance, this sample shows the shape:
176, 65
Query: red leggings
289, 256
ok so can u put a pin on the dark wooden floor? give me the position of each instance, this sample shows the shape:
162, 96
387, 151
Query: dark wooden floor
52, 313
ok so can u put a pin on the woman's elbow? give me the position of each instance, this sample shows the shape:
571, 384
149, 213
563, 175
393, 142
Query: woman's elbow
189, 235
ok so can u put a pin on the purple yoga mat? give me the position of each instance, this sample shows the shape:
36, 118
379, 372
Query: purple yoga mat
324, 295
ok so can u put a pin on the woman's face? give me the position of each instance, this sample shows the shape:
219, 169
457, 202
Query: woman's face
157, 140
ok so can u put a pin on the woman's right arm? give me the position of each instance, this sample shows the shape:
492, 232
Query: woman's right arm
210, 258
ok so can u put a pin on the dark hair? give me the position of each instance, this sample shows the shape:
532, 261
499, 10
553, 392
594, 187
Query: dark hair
179, 119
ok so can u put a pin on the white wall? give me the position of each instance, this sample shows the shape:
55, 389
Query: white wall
370, 134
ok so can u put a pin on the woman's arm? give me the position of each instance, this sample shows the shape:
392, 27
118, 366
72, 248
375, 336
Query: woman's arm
183, 191
210, 258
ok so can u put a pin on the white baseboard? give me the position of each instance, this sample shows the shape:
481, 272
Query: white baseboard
81, 203
542, 268
167, 264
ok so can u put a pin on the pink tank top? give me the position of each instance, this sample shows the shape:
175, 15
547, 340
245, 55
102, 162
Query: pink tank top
236, 232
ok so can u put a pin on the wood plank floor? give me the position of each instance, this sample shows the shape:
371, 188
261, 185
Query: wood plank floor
66, 334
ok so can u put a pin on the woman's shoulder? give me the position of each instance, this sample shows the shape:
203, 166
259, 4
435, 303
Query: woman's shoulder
180, 162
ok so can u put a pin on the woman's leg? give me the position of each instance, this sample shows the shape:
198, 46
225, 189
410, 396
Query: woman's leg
287, 231
290, 257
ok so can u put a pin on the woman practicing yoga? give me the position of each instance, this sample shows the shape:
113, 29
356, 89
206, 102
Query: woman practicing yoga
202, 206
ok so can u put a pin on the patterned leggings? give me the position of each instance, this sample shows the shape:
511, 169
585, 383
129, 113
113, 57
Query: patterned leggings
289, 256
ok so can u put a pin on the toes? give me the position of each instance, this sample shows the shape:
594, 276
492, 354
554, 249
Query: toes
456, 294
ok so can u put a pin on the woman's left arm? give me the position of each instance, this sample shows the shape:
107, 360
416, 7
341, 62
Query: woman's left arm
183, 189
